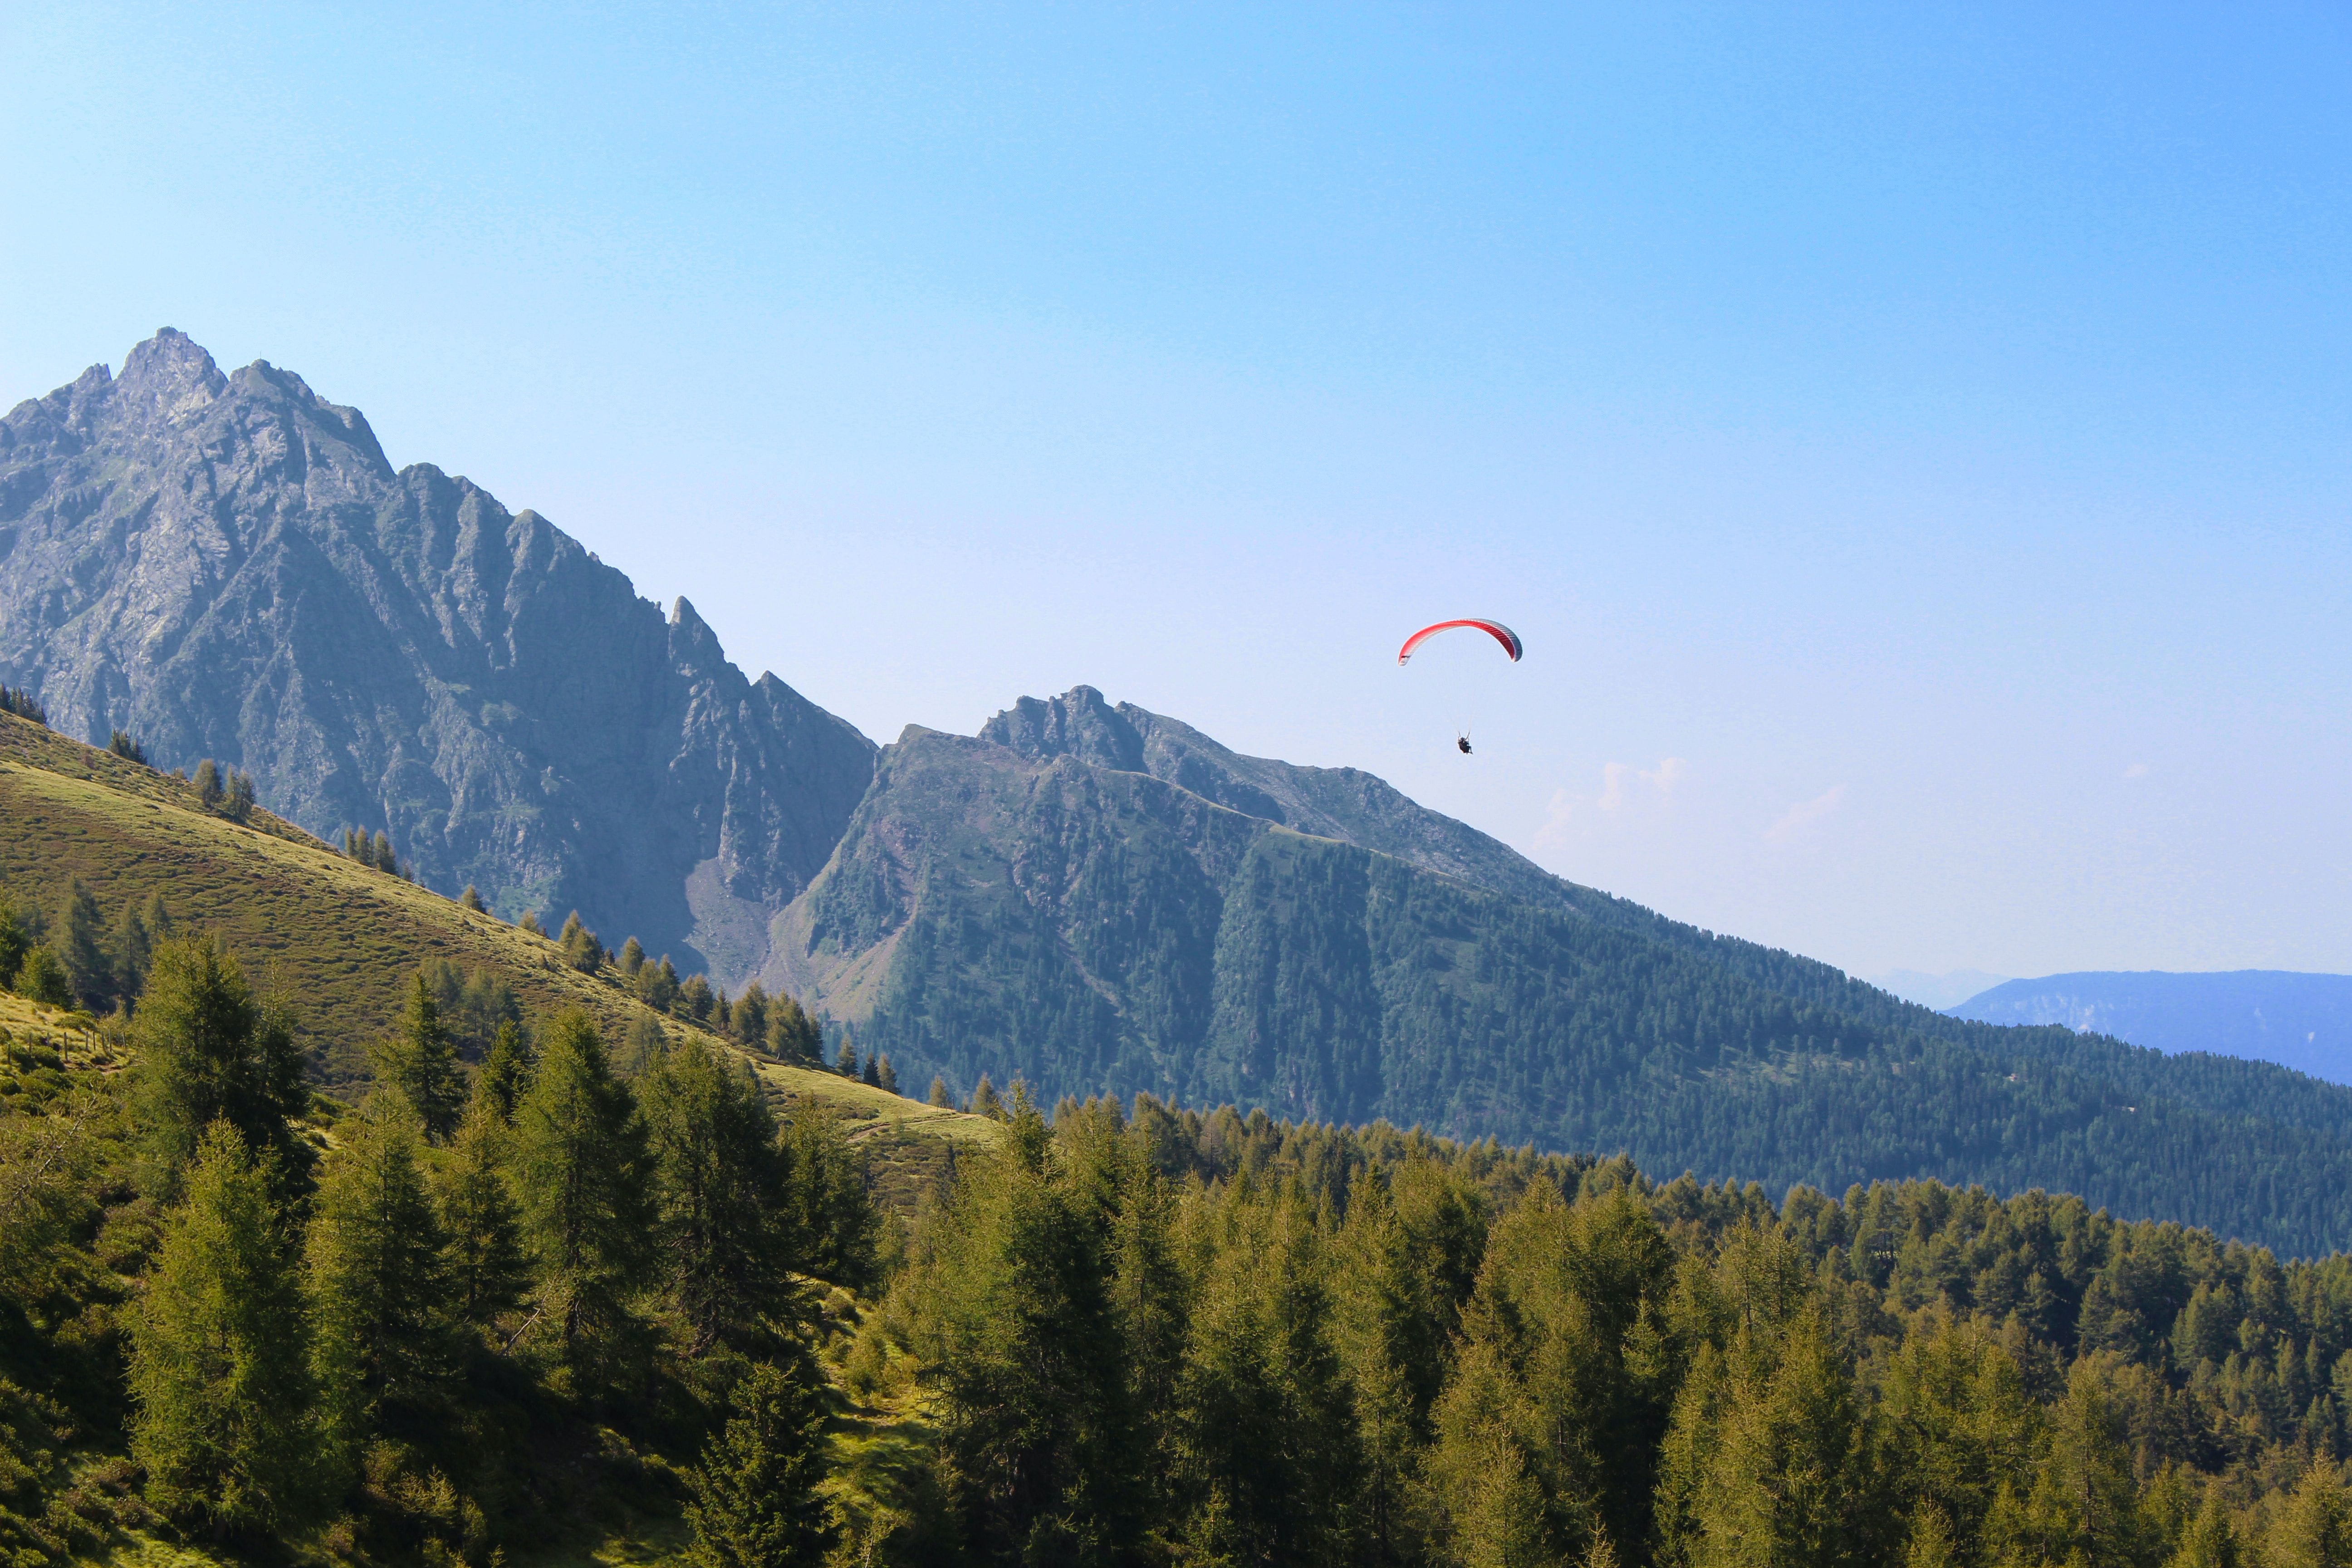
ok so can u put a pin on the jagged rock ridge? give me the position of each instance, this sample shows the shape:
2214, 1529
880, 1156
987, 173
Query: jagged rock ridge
226, 565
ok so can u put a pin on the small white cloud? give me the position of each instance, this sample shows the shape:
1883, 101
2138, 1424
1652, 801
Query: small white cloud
2137, 771
1803, 811
1625, 792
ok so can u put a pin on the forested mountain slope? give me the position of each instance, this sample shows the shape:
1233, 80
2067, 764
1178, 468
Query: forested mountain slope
228, 567
1037, 909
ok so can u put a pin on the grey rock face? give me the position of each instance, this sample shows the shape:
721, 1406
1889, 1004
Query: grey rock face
228, 567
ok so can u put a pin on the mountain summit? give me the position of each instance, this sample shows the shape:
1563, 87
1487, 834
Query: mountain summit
226, 565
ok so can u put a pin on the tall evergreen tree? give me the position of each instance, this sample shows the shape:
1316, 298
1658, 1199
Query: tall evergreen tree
722, 1186
583, 1176
378, 1273
41, 977
15, 941
832, 1228
209, 791
580, 948
419, 1062
490, 1267
505, 1072
219, 1369
756, 1499
78, 936
792, 1034
471, 899
209, 1050
749, 1021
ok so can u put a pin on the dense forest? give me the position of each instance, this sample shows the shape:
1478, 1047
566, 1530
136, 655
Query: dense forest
560, 1297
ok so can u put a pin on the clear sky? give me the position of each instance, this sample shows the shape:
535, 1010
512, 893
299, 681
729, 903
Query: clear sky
1912, 446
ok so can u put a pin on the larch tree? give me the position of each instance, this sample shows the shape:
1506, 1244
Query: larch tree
208, 1050
757, 1502
378, 1275
219, 1370
489, 1266
418, 1061
722, 1186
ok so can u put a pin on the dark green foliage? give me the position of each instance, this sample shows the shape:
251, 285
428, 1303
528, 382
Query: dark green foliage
792, 1034
696, 1000
489, 1268
580, 948
225, 1423
418, 1062
126, 746
748, 1020
382, 857
846, 1063
15, 940
883, 1076
828, 1214
475, 1005
209, 790
656, 985
722, 1184
237, 804
383, 1290
505, 1072
584, 1175
756, 1503
79, 935
20, 700
211, 1051
41, 977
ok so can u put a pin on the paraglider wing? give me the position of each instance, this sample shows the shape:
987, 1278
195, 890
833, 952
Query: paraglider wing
1496, 629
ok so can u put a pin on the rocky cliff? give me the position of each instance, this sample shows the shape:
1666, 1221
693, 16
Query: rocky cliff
226, 565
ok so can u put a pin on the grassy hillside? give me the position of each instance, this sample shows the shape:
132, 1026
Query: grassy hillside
338, 939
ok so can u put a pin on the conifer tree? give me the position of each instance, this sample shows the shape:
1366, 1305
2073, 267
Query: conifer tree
42, 978
505, 1073
419, 1062
749, 1022
471, 899
132, 945
939, 1095
78, 936
219, 1372
722, 1186
756, 1499
984, 1101
15, 941
378, 1273
384, 860
886, 1077
529, 921
633, 958
583, 1177
125, 746
2211, 1539
694, 999
488, 1266
792, 1034
870, 1073
2314, 1528
832, 1228
209, 793
580, 948
209, 1050
238, 806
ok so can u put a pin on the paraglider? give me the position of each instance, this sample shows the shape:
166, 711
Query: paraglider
1496, 629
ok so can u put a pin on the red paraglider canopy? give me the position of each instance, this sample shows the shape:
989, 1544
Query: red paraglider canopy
1496, 629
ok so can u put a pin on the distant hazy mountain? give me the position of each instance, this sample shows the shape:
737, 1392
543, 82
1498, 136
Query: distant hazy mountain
226, 566
2302, 1021
1938, 991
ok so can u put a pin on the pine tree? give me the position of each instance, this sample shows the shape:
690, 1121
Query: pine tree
238, 803
2314, 1528
886, 1077
383, 858
15, 941
694, 999
488, 1266
2211, 1540
580, 948
528, 921
870, 1073
722, 1186
219, 1356
792, 1034
80, 938
633, 958
984, 1101
939, 1095
378, 1273
209, 1050
505, 1073
750, 1020
209, 793
125, 746
419, 1062
132, 945
471, 899
657, 984
583, 1176
756, 1497
832, 1227
42, 978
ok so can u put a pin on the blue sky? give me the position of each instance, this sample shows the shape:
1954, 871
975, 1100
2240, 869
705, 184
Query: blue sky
1912, 446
